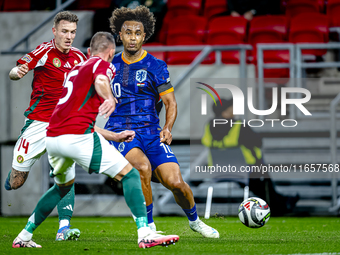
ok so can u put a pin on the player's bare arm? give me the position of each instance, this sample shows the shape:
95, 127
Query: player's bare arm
124, 136
102, 86
18, 178
170, 104
18, 72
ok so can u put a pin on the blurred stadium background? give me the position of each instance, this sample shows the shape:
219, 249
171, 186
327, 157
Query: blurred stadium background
197, 39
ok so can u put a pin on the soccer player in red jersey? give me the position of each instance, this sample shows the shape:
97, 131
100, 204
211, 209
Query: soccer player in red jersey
51, 61
71, 137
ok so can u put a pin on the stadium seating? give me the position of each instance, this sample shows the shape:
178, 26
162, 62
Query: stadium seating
310, 28
270, 29
214, 7
163, 33
295, 7
93, 5
333, 10
158, 54
187, 30
184, 7
10, 5
227, 30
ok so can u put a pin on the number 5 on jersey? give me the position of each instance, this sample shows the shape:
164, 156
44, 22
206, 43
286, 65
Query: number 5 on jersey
69, 85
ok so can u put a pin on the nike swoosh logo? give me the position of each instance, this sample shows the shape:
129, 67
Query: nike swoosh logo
169, 156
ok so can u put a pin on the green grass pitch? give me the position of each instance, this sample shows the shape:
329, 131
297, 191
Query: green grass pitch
103, 235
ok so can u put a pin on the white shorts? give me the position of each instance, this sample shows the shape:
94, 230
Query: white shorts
91, 151
30, 145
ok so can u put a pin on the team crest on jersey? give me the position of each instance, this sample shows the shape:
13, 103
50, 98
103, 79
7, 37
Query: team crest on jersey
121, 147
27, 58
20, 159
56, 62
141, 75
75, 62
109, 73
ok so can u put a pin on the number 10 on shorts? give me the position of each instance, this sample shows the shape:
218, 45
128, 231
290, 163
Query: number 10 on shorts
166, 148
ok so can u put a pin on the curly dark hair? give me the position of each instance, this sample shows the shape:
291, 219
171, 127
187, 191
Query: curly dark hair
141, 14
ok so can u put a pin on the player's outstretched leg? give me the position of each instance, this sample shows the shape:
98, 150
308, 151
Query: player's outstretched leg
151, 223
202, 228
199, 226
156, 238
19, 243
67, 233
135, 200
44, 207
170, 176
65, 212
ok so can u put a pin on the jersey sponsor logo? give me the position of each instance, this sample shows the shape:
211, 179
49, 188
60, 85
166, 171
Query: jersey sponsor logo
27, 58
121, 147
169, 156
20, 159
109, 73
75, 62
67, 65
56, 62
141, 75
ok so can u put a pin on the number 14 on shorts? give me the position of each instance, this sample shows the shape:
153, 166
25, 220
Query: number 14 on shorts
23, 144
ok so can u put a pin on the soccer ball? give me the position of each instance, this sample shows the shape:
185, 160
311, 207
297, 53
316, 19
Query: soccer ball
254, 212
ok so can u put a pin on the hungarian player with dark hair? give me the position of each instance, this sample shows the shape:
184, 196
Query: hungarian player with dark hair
140, 81
50, 62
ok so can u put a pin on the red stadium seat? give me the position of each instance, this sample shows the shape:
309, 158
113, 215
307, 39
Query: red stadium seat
227, 30
310, 28
158, 54
188, 30
184, 7
10, 5
270, 29
163, 33
214, 7
296, 7
333, 10
93, 5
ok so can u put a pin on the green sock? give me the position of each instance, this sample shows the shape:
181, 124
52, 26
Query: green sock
134, 197
9, 175
66, 205
45, 206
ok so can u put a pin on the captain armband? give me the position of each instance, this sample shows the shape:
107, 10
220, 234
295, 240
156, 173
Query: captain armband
165, 89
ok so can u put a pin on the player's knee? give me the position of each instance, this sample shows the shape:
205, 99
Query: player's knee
177, 186
144, 170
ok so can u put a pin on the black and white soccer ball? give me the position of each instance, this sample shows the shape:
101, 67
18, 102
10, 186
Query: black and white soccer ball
254, 212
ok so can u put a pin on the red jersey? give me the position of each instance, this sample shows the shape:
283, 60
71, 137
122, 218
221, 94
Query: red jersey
50, 66
77, 108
